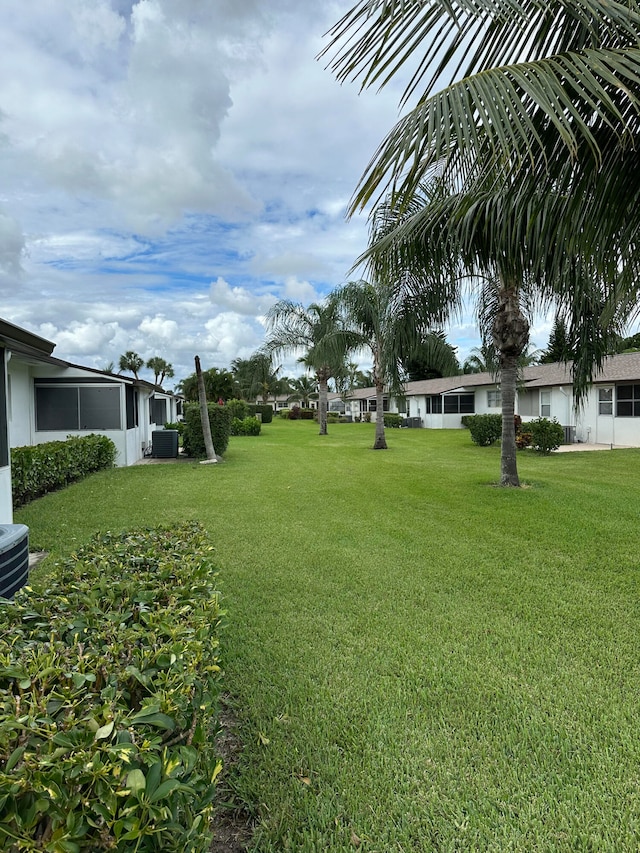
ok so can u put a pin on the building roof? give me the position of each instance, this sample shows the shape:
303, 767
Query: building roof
616, 368
20, 340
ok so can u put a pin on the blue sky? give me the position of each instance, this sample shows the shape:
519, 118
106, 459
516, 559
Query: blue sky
171, 168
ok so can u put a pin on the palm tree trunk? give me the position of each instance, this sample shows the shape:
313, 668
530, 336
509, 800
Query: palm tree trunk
204, 414
380, 442
508, 464
323, 389
510, 337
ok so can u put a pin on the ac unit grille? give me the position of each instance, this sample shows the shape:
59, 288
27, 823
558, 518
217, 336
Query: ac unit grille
14, 558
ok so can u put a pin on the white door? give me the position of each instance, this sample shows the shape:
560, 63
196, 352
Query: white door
604, 420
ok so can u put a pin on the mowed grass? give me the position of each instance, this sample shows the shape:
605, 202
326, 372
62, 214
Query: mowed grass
418, 660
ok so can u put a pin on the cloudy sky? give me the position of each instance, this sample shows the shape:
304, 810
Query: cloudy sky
171, 168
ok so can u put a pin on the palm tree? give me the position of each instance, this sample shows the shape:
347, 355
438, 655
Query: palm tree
432, 358
531, 154
319, 333
161, 370
387, 329
131, 361
303, 388
257, 377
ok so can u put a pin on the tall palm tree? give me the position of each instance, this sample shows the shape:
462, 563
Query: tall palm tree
531, 145
319, 333
387, 329
131, 361
161, 369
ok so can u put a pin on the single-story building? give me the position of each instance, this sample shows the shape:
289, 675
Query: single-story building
609, 415
43, 398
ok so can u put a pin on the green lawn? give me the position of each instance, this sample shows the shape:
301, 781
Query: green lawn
420, 661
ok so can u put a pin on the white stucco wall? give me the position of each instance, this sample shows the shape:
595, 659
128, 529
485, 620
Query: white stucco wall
6, 507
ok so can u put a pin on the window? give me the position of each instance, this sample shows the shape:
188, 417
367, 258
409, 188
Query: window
373, 405
433, 404
77, 408
628, 401
494, 399
131, 405
401, 405
605, 401
528, 403
462, 404
158, 411
545, 404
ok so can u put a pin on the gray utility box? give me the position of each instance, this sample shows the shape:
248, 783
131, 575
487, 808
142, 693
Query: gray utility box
14, 558
164, 443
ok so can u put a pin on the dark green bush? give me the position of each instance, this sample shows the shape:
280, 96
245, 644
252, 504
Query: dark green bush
246, 426
546, 435
485, 429
42, 468
393, 420
192, 439
265, 411
109, 685
177, 425
239, 409
306, 414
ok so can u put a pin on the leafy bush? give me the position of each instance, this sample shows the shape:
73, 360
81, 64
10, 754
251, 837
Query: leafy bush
192, 439
239, 409
294, 413
42, 468
366, 417
265, 411
306, 414
284, 413
485, 429
108, 696
246, 426
393, 420
546, 435
177, 425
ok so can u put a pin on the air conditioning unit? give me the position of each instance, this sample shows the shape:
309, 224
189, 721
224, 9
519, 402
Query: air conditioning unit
165, 443
14, 558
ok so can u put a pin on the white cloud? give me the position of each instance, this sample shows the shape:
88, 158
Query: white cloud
239, 299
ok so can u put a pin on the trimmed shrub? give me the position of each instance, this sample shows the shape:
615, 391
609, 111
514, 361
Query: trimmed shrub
239, 409
284, 414
109, 685
393, 420
294, 413
485, 429
177, 425
266, 412
246, 426
42, 468
546, 435
306, 414
192, 439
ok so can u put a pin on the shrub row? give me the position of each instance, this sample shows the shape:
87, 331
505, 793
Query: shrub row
484, 429
108, 690
220, 418
42, 468
246, 426
392, 420
266, 412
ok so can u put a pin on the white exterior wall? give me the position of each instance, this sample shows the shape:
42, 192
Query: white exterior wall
21, 404
6, 502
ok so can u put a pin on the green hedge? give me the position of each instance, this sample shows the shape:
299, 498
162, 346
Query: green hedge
42, 468
392, 420
246, 426
485, 429
266, 411
220, 418
109, 685
546, 435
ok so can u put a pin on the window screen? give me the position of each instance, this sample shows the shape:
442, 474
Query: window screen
628, 401
77, 408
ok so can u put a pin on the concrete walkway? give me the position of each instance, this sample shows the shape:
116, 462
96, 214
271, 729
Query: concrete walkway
570, 448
